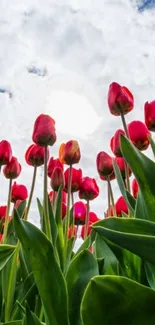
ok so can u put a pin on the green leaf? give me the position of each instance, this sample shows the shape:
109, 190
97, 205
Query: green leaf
6, 252
87, 243
48, 276
102, 250
117, 300
16, 322
152, 143
127, 196
144, 170
137, 236
30, 318
82, 268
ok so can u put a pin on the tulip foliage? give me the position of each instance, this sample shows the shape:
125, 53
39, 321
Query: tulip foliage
110, 279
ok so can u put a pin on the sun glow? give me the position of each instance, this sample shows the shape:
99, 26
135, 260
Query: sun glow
73, 113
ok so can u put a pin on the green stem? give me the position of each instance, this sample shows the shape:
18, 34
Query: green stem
72, 198
108, 199
111, 196
11, 284
31, 193
87, 220
68, 207
7, 213
127, 177
46, 210
124, 124
127, 135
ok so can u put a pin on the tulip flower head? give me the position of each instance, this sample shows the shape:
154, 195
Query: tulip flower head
149, 115
13, 169
89, 189
3, 209
44, 131
75, 181
135, 188
121, 164
104, 164
115, 143
138, 133
34, 155
120, 99
18, 192
5, 152
89, 230
69, 152
79, 212
57, 179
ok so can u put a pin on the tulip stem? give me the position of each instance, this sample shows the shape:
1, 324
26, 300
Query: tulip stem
108, 199
67, 223
127, 177
124, 124
72, 197
46, 210
7, 213
31, 193
87, 220
111, 196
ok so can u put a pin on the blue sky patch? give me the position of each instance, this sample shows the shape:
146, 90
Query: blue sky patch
145, 4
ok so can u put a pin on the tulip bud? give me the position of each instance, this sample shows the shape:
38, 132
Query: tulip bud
3, 209
121, 164
18, 192
93, 217
135, 188
52, 164
69, 153
104, 164
149, 115
64, 196
121, 206
5, 152
120, 99
34, 155
76, 179
72, 232
138, 133
44, 131
12, 169
89, 189
57, 179
79, 212
83, 230
115, 143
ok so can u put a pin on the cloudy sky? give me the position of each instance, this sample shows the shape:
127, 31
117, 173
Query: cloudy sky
59, 57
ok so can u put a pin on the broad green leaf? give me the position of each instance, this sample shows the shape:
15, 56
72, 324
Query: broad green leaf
6, 252
136, 235
150, 274
123, 190
102, 250
82, 268
16, 322
144, 170
48, 276
117, 300
40, 208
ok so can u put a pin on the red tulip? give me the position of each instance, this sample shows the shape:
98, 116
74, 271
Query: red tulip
76, 179
121, 164
12, 169
79, 212
115, 143
63, 203
120, 99
52, 164
135, 188
57, 179
93, 217
18, 192
83, 230
149, 115
69, 153
1, 237
34, 155
64, 196
3, 209
44, 131
109, 212
138, 133
89, 189
104, 164
70, 231
5, 152
63, 209
121, 206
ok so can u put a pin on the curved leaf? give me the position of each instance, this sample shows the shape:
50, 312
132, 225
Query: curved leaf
82, 268
117, 300
48, 276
